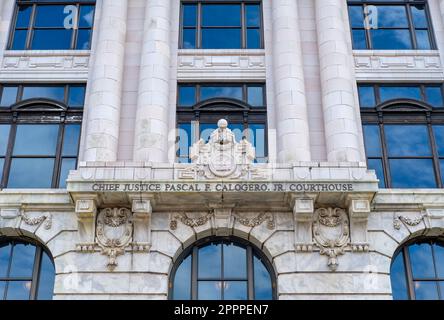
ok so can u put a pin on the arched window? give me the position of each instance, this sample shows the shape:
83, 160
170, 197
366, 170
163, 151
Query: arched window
26, 271
417, 271
222, 269
404, 134
39, 134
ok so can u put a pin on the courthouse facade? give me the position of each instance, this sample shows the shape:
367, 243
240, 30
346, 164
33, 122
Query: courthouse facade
210, 149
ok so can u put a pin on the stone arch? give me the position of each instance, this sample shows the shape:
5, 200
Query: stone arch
432, 232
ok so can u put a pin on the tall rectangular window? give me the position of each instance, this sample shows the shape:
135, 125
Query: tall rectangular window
200, 106
39, 134
219, 25
391, 25
52, 25
403, 133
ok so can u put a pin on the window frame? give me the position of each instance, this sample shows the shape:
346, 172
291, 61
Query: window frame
411, 27
239, 109
36, 272
410, 279
244, 28
46, 112
30, 30
251, 252
414, 112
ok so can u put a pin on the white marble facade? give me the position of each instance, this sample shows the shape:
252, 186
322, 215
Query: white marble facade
317, 159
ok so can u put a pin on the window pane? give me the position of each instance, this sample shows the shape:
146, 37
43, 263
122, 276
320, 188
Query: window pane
439, 138
76, 96
56, 39
71, 140
376, 164
23, 256
426, 290
262, 281
182, 281
209, 262
23, 16
257, 139
9, 96
31, 173
221, 92
209, 290
67, 165
235, 262
372, 139
187, 96
189, 39
190, 15
86, 16
356, 16
19, 41
256, 96
367, 97
390, 93
5, 253
184, 143
442, 169
18, 290
253, 39
439, 261
407, 140
220, 15
235, 290
412, 173
421, 260
419, 16
238, 130
50, 92
392, 16
359, 40
219, 38
398, 278
47, 279
4, 138
423, 40
434, 96
253, 15
385, 39
2, 290
2, 163
50, 16
36, 140
84, 39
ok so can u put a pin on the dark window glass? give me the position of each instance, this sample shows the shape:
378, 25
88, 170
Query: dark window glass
76, 96
372, 141
54, 26
9, 96
4, 138
439, 262
67, 165
390, 93
367, 96
236, 25
421, 258
31, 173
184, 142
376, 164
222, 270
36, 140
434, 96
50, 92
425, 290
21, 276
399, 25
439, 138
71, 140
187, 96
256, 96
221, 92
399, 278
412, 173
407, 140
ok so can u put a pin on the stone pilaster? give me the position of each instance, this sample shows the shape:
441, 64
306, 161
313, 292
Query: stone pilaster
105, 81
6, 12
151, 132
86, 211
338, 83
291, 105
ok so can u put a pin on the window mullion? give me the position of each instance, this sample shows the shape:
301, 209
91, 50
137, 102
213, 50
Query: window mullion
36, 273
31, 26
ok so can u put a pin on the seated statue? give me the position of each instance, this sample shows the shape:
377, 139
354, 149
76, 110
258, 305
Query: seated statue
223, 135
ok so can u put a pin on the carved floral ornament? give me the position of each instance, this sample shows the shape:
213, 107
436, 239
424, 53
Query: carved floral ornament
399, 220
46, 218
253, 222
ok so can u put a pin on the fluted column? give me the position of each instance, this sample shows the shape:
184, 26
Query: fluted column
105, 81
291, 105
338, 83
151, 132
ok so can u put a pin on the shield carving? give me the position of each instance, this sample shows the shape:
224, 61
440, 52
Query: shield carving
331, 233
